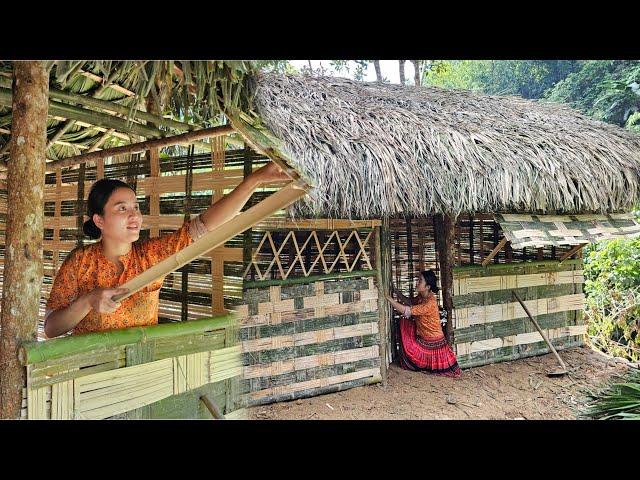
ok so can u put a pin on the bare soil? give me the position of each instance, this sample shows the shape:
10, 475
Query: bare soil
519, 389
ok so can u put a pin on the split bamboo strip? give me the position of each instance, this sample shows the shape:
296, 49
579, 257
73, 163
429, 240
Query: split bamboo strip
278, 200
318, 360
468, 316
309, 338
464, 286
317, 383
519, 339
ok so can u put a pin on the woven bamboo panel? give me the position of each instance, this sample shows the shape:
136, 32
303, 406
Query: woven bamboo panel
490, 325
561, 230
302, 339
109, 393
115, 380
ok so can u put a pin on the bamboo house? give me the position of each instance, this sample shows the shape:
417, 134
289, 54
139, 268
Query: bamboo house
496, 194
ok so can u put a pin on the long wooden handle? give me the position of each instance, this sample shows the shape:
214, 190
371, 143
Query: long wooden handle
281, 199
539, 330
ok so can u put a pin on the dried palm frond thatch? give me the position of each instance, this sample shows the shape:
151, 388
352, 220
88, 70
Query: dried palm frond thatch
377, 149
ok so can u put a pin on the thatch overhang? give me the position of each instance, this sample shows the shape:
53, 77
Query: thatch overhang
374, 149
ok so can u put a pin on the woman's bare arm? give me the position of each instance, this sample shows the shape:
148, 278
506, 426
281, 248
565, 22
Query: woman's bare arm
58, 322
400, 308
225, 209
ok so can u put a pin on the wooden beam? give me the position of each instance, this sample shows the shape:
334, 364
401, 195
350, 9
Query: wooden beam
184, 138
574, 250
23, 270
281, 199
495, 251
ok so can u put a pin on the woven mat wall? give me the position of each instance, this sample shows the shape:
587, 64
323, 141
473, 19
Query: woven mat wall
561, 230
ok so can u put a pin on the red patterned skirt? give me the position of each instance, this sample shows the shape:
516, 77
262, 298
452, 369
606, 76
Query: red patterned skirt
433, 355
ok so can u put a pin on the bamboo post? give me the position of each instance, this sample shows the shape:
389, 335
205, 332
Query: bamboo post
25, 229
383, 306
444, 227
281, 199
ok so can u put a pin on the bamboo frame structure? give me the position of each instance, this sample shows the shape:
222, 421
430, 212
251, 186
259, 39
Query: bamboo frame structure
140, 147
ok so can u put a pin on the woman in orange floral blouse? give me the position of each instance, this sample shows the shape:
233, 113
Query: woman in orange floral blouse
423, 345
80, 298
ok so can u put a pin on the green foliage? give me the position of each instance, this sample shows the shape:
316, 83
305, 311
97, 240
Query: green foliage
612, 286
620, 401
608, 90
527, 78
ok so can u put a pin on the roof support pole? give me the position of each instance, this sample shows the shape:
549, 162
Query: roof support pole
25, 219
382, 247
444, 226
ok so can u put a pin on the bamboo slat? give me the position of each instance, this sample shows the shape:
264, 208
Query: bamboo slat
464, 286
308, 338
468, 316
317, 383
520, 339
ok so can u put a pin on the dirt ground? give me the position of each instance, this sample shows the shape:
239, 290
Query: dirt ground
511, 390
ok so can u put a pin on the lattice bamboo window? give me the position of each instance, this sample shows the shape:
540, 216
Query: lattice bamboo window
293, 253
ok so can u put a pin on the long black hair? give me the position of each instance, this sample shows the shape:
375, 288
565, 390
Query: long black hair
98, 197
430, 279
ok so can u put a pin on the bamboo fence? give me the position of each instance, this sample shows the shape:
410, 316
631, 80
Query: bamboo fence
157, 372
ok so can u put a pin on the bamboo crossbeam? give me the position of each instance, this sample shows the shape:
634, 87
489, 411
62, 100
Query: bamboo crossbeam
35, 352
91, 116
572, 251
310, 279
281, 199
495, 251
139, 147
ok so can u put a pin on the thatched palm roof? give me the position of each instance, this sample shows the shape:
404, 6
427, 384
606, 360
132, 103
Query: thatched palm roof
376, 149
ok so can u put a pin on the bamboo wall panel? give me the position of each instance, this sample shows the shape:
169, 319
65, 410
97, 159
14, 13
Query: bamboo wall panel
214, 280
490, 326
159, 378
559, 230
302, 340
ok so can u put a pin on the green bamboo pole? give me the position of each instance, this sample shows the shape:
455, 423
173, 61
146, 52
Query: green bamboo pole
99, 119
310, 279
35, 352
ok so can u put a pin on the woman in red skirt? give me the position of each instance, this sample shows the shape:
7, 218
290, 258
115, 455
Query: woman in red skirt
423, 345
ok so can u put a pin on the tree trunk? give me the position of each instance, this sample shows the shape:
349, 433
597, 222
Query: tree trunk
24, 235
376, 65
403, 80
417, 76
